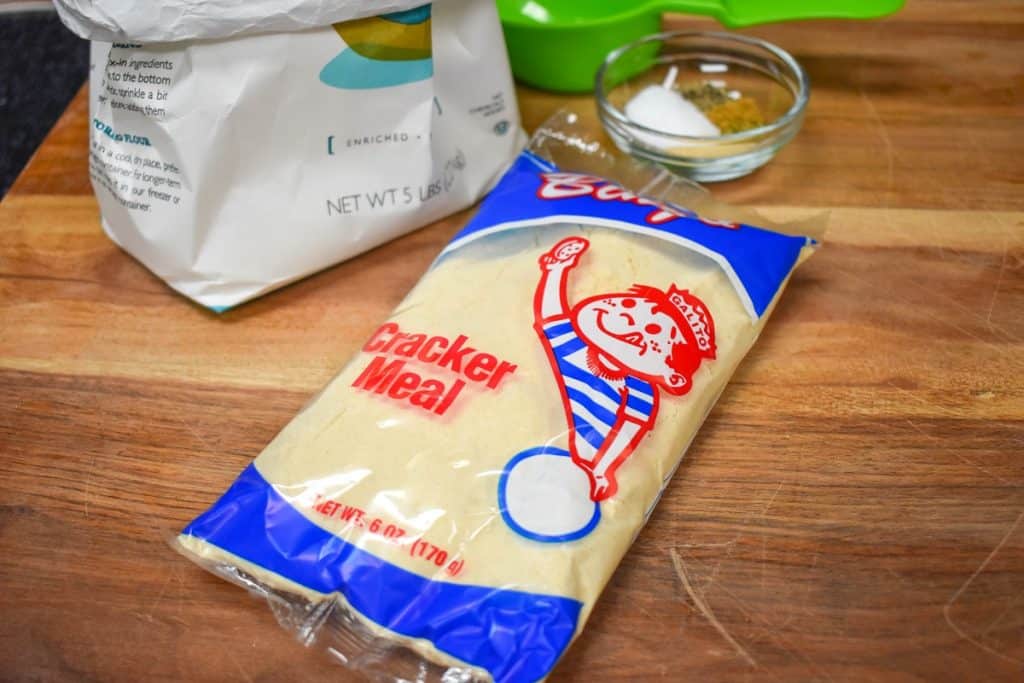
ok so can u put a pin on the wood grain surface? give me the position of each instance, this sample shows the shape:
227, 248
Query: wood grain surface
853, 510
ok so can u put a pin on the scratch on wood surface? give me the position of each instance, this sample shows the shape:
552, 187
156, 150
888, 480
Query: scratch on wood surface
1012, 240
980, 158
764, 538
956, 453
956, 596
725, 544
199, 437
883, 133
646, 612
729, 545
680, 567
945, 320
764, 560
160, 596
87, 488
771, 501
1002, 615
923, 401
241, 669
773, 630
995, 291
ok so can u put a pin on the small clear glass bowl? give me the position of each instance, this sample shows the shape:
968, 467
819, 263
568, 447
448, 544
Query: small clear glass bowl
739, 65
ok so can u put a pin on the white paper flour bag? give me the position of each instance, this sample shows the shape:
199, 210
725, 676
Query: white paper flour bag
237, 147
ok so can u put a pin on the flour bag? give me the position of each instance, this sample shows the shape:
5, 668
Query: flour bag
464, 488
237, 147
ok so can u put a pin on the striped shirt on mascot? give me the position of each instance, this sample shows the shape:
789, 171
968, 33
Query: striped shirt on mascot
611, 354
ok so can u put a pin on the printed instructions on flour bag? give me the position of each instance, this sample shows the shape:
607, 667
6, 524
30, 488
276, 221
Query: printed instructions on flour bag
121, 159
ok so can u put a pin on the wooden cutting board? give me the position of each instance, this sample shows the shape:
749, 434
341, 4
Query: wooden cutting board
853, 509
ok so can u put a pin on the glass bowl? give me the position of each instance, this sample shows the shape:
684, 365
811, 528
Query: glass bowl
720, 65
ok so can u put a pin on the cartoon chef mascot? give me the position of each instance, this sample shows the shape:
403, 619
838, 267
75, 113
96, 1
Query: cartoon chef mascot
611, 355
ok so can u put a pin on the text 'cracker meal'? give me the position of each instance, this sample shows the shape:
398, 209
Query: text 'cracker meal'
467, 484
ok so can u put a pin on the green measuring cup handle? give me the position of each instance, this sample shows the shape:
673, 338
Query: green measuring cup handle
738, 13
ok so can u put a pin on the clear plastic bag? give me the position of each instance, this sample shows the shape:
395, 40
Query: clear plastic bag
452, 504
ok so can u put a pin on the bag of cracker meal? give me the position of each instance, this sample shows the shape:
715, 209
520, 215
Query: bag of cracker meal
452, 504
237, 147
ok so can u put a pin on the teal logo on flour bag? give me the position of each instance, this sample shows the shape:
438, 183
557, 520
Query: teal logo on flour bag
382, 51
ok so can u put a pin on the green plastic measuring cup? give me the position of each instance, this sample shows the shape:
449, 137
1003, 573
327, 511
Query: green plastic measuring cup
559, 44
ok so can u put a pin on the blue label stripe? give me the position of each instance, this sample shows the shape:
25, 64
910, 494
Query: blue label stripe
639, 385
558, 329
598, 411
587, 431
639, 405
516, 636
757, 261
569, 347
569, 370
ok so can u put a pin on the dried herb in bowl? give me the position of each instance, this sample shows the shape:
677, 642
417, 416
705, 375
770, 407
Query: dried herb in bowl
729, 111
